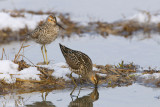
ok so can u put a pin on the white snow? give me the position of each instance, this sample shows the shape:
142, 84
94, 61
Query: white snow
30, 73
9, 72
148, 79
102, 75
143, 17
16, 23
148, 76
7, 67
61, 70
31, 21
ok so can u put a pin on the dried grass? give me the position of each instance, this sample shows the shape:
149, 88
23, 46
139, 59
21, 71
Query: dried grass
3, 54
115, 76
124, 28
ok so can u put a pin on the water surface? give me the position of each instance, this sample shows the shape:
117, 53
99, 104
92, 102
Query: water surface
110, 50
132, 96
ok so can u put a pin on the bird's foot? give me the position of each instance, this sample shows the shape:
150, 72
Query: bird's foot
42, 63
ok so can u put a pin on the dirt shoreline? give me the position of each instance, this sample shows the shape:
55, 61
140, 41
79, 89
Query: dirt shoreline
109, 76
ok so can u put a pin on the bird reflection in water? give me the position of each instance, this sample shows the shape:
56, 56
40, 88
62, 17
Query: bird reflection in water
85, 101
41, 104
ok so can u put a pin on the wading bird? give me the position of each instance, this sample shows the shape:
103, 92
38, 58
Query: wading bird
80, 64
45, 34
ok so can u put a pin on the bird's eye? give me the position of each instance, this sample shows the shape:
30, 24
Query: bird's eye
52, 20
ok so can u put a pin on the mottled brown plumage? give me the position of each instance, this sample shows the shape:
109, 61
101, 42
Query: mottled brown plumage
79, 63
46, 33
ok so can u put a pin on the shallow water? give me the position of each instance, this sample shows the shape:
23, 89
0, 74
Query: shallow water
132, 96
110, 50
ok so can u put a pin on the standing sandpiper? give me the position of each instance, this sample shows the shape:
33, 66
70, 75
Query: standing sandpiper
46, 33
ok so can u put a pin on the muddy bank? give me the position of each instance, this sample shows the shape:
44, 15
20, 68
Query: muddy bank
109, 76
125, 28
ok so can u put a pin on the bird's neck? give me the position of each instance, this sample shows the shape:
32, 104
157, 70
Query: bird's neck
50, 24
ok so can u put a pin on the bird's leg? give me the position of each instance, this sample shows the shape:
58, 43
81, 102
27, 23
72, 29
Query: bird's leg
43, 54
46, 94
74, 83
80, 86
80, 80
42, 96
79, 92
73, 80
73, 90
46, 54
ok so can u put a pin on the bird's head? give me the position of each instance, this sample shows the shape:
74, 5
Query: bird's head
52, 20
94, 95
94, 78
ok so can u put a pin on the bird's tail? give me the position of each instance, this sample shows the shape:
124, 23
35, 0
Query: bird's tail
63, 49
27, 36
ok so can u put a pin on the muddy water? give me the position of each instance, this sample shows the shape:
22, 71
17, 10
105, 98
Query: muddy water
132, 96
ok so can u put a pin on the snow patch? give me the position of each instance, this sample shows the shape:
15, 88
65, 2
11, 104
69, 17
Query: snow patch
149, 76
61, 70
148, 79
30, 73
143, 17
102, 75
9, 72
16, 23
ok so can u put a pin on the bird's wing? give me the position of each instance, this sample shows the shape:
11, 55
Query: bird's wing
73, 61
85, 61
36, 32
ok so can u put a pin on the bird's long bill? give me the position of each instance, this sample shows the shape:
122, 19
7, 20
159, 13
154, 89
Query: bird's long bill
60, 26
96, 85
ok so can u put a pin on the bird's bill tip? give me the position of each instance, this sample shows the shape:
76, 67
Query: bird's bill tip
95, 85
60, 26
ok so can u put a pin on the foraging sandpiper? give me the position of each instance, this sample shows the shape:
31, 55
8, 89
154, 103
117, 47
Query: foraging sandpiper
80, 64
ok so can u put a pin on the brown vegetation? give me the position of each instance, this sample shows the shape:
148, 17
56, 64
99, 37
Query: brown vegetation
124, 28
120, 75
